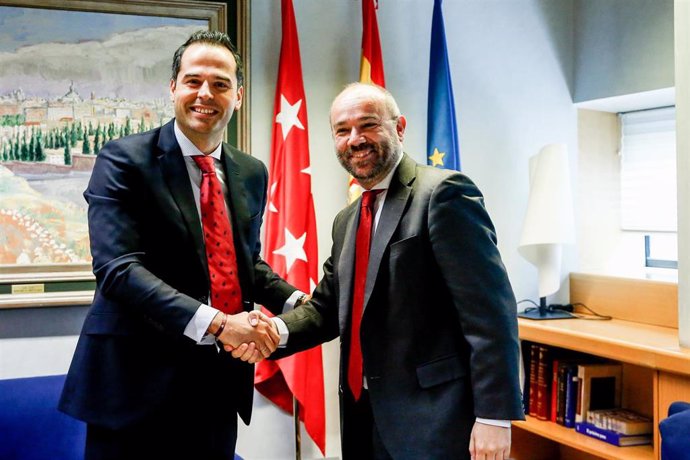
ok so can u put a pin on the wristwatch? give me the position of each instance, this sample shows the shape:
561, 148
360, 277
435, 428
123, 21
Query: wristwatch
301, 299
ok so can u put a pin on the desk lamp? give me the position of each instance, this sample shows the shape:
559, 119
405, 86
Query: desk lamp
549, 224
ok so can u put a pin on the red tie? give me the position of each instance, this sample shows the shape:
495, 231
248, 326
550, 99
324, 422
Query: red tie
362, 246
226, 295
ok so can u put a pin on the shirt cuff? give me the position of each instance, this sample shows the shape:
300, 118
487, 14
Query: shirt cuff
282, 331
198, 325
488, 421
292, 300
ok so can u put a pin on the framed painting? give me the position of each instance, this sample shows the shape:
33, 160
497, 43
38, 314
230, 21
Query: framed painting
73, 75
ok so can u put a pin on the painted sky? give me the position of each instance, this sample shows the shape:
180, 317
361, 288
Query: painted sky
30, 26
116, 56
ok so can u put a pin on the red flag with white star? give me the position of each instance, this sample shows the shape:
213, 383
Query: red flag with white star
291, 245
371, 66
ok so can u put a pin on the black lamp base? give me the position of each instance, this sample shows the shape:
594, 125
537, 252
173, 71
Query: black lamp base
545, 312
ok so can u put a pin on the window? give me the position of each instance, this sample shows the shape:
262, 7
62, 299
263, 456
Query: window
648, 182
661, 250
648, 170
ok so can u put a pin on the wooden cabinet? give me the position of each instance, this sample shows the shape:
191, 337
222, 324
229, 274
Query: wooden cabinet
656, 372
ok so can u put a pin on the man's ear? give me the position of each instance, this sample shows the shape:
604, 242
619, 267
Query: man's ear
240, 96
172, 90
400, 127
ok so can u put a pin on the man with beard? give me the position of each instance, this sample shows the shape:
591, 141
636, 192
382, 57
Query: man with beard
417, 292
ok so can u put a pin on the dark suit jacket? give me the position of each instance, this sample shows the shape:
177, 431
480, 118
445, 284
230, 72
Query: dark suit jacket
439, 330
151, 274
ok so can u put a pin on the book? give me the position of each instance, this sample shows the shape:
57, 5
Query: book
533, 364
623, 421
543, 399
599, 388
561, 368
561, 388
612, 437
553, 416
571, 396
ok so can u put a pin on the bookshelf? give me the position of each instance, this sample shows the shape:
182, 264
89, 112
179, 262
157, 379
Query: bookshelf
579, 442
656, 369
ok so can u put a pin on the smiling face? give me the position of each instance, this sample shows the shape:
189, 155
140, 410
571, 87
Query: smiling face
205, 94
368, 137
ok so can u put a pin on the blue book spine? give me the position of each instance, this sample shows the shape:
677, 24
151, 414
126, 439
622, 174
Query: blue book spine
571, 390
611, 437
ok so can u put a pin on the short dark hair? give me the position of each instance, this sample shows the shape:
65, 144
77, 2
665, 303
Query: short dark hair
210, 37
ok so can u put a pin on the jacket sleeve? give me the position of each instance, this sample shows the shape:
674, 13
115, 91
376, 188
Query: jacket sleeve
120, 258
316, 321
463, 242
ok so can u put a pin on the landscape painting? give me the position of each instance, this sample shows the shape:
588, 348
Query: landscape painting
70, 81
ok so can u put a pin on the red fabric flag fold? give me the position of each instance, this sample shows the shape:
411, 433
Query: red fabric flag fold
291, 239
371, 68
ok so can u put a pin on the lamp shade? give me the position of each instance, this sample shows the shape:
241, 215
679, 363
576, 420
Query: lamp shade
549, 221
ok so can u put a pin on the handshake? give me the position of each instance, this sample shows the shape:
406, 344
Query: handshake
249, 336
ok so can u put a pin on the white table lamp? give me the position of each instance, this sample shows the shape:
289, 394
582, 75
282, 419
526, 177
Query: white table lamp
549, 224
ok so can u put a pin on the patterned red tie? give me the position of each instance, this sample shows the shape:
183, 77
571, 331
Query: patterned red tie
226, 295
362, 246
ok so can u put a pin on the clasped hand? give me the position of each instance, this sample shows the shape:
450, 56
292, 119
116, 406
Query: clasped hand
250, 336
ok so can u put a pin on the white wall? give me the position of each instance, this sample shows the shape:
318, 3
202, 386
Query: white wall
623, 62
603, 248
682, 51
511, 65
35, 356
38, 341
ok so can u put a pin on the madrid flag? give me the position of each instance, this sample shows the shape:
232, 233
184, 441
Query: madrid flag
291, 246
371, 66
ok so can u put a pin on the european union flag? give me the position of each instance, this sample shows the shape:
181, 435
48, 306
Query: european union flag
442, 134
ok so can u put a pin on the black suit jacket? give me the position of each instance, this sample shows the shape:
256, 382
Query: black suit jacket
439, 329
151, 274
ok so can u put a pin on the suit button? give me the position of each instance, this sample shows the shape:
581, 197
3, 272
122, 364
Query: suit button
203, 299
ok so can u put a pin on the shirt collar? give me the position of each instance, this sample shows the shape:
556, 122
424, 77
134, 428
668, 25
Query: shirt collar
189, 149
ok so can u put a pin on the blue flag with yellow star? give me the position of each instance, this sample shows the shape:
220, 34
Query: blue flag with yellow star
442, 145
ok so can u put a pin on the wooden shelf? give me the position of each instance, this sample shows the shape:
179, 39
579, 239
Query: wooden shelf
643, 335
636, 343
569, 437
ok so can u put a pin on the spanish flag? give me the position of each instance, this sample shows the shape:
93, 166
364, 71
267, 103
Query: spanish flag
371, 67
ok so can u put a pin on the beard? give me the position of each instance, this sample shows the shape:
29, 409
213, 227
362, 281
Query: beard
383, 157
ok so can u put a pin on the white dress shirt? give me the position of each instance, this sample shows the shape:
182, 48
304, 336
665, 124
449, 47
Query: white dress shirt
198, 325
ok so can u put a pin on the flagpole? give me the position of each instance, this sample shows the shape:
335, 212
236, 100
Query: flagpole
298, 433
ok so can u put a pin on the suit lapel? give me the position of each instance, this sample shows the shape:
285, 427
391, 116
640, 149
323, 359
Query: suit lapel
346, 266
239, 213
393, 208
175, 173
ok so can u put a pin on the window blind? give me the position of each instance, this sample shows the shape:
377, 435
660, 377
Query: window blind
648, 170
